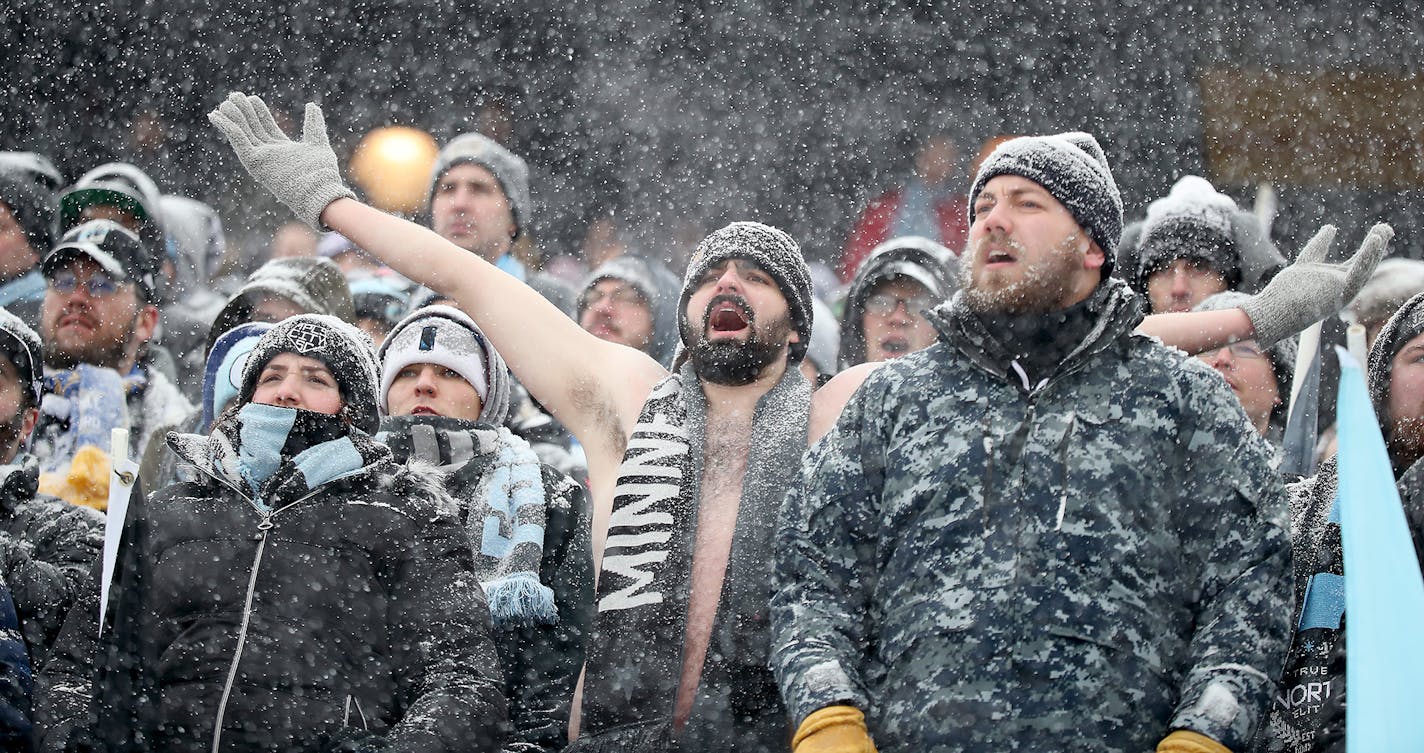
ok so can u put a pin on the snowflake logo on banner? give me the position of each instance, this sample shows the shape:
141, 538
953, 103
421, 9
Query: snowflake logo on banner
306, 338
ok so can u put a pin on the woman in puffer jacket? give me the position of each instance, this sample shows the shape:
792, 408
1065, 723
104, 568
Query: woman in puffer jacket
307, 593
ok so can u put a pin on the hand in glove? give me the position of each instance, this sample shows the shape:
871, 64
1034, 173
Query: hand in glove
1311, 289
833, 729
1186, 741
301, 174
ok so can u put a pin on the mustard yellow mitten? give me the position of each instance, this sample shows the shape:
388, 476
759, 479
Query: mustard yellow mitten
1186, 741
833, 729
85, 483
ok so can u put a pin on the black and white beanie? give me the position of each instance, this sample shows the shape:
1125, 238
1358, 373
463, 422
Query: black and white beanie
772, 250
346, 350
22, 346
507, 167
446, 336
1193, 222
1074, 170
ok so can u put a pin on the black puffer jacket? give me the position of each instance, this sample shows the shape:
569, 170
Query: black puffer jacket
48, 548
348, 618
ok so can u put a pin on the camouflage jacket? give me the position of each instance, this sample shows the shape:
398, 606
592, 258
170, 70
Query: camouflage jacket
981, 563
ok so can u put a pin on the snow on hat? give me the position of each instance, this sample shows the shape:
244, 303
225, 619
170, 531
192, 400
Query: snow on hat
920, 259
506, 166
1193, 221
659, 289
33, 207
121, 185
33, 167
22, 346
1393, 282
1073, 169
315, 285
222, 376
772, 250
446, 336
346, 350
121, 254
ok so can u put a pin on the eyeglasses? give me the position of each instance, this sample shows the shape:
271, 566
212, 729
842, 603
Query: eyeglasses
885, 303
98, 284
621, 296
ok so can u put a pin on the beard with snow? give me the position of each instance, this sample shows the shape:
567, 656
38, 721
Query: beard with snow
1042, 286
736, 362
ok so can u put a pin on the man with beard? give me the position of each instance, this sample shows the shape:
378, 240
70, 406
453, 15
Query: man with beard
99, 312
1043, 532
686, 469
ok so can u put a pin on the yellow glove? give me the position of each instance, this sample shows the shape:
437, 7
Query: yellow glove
1186, 741
85, 483
833, 729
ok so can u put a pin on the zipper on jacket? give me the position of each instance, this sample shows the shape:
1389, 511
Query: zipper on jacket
262, 528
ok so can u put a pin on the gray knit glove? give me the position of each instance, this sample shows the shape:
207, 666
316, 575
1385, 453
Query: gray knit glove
1311, 289
301, 174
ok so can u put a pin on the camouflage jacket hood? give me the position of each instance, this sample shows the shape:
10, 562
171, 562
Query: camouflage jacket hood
1116, 527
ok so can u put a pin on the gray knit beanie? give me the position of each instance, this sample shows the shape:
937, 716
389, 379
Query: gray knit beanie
772, 250
1074, 170
507, 168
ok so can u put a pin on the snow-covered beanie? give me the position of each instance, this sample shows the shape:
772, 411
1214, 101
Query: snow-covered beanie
33, 167
346, 350
21, 345
506, 166
659, 289
1193, 222
917, 258
1394, 281
1074, 170
315, 285
222, 376
379, 297
1406, 324
1282, 354
33, 208
772, 250
446, 336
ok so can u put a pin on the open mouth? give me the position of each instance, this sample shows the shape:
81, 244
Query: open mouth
999, 256
895, 346
727, 315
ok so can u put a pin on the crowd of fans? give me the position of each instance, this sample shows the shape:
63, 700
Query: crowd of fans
1008, 479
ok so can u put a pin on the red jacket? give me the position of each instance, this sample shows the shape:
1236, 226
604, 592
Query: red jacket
876, 222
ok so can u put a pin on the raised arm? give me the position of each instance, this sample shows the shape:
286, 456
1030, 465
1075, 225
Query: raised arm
595, 388
1300, 295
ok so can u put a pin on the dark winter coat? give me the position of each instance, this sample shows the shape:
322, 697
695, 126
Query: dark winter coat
48, 548
540, 662
16, 680
1085, 562
348, 618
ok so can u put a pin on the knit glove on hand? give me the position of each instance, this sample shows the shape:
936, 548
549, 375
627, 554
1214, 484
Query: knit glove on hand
1186, 741
833, 729
301, 174
1311, 289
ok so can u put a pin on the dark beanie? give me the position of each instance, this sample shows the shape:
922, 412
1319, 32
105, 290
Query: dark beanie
34, 209
346, 350
1073, 169
772, 250
1192, 222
